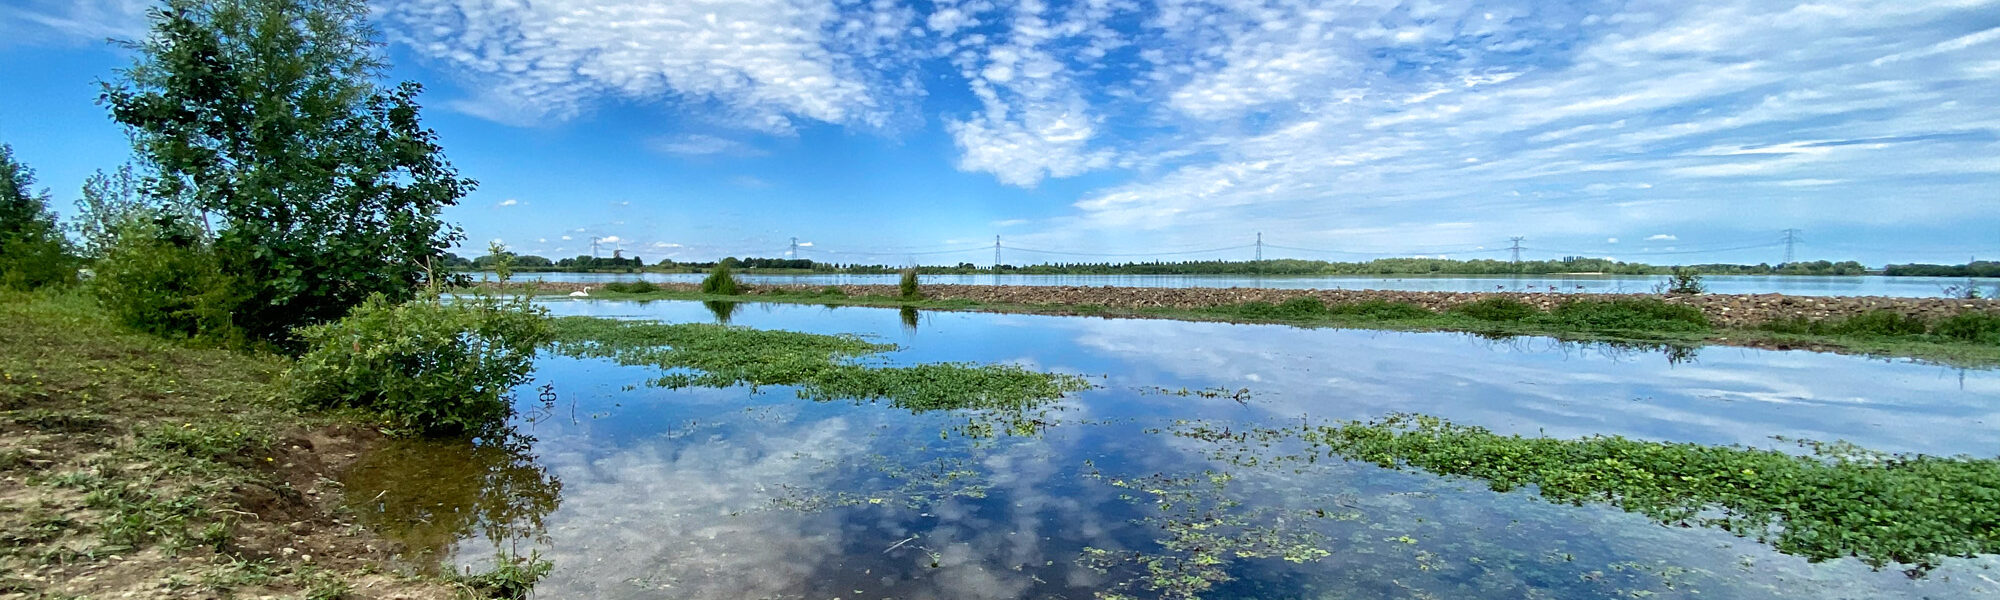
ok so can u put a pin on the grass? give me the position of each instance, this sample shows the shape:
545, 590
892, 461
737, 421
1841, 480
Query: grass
1969, 340
1837, 501
822, 367
118, 444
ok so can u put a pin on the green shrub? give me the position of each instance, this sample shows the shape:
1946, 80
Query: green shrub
908, 286
427, 366
1497, 309
1381, 309
632, 287
33, 251
832, 291
1978, 327
157, 276
719, 281
1626, 314
1685, 282
1878, 323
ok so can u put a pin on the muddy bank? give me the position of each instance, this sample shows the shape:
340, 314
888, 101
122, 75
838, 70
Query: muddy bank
1728, 310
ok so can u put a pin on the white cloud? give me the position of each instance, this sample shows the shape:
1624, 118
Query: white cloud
1662, 237
805, 244
1009, 222
73, 21
609, 239
565, 238
694, 145
542, 240
509, 202
767, 63
1610, 240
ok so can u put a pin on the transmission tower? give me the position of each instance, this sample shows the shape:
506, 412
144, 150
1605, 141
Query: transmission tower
593, 246
1260, 246
996, 253
794, 252
1791, 239
1517, 248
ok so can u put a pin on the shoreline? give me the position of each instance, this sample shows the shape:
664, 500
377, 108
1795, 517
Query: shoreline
1736, 318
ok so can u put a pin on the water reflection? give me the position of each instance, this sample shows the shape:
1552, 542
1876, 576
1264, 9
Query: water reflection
910, 318
722, 309
429, 494
739, 492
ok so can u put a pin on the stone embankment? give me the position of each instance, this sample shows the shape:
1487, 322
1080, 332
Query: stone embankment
1732, 310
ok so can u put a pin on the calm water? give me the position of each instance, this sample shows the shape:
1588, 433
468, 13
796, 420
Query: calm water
639, 492
1734, 284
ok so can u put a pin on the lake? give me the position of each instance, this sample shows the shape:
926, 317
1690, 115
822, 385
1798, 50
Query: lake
1720, 284
635, 491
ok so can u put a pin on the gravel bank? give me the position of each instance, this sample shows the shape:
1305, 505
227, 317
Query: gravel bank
1731, 310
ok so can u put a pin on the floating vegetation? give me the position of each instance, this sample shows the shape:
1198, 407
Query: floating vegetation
1203, 530
917, 487
1837, 501
822, 367
1240, 395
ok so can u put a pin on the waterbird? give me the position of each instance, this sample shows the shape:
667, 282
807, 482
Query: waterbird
582, 293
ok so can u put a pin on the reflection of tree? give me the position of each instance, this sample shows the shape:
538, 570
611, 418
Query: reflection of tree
723, 309
910, 318
428, 494
1676, 354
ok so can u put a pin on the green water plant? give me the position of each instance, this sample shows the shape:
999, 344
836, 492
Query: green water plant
1497, 308
822, 367
1626, 314
1835, 500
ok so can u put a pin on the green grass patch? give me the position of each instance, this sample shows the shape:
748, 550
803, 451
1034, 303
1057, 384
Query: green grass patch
632, 287
1625, 314
1835, 502
822, 367
1497, 309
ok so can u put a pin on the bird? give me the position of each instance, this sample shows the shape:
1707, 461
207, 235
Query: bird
582, 293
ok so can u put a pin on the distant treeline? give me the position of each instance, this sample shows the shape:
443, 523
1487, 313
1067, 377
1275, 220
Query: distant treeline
1385, 266
1980, 268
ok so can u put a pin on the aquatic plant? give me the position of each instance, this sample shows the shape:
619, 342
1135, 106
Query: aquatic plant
1977, 327
1204, 529
1837, 501
822, 367
719, 281
1684, 282
1381, 309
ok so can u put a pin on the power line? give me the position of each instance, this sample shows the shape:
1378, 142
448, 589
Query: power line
1131, 254
1517, 248
1791, 238
996, 251
1260, 246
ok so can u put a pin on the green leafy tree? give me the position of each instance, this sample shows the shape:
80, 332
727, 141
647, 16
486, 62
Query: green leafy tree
109, 201
266, 114
32, 249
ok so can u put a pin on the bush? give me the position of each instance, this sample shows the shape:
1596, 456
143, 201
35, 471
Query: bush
1497, 309
1381, 309
1627, 315
1685, 282
1978, 327
33, 252
909, 285
832, 291
1877, 323
157, 276
631, 287
427, 366
719, 281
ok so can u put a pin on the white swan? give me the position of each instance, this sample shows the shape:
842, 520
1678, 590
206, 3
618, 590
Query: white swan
582, 293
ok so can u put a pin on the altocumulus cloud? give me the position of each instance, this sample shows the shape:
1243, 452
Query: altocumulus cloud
1301, 118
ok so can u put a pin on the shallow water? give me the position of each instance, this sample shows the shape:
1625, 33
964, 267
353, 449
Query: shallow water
1915, 287
639, 492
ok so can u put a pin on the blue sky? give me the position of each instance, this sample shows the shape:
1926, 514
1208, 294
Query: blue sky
1656, 131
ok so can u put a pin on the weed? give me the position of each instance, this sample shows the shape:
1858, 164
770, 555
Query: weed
511, 577
1381, 309
1976, 327
62, 422
1497, 308
211, 442
832, 292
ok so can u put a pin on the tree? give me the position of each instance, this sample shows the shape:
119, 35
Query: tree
266, 115
32, 252
109, 201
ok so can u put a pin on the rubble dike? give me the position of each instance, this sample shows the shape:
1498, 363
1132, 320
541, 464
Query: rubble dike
1725, 310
